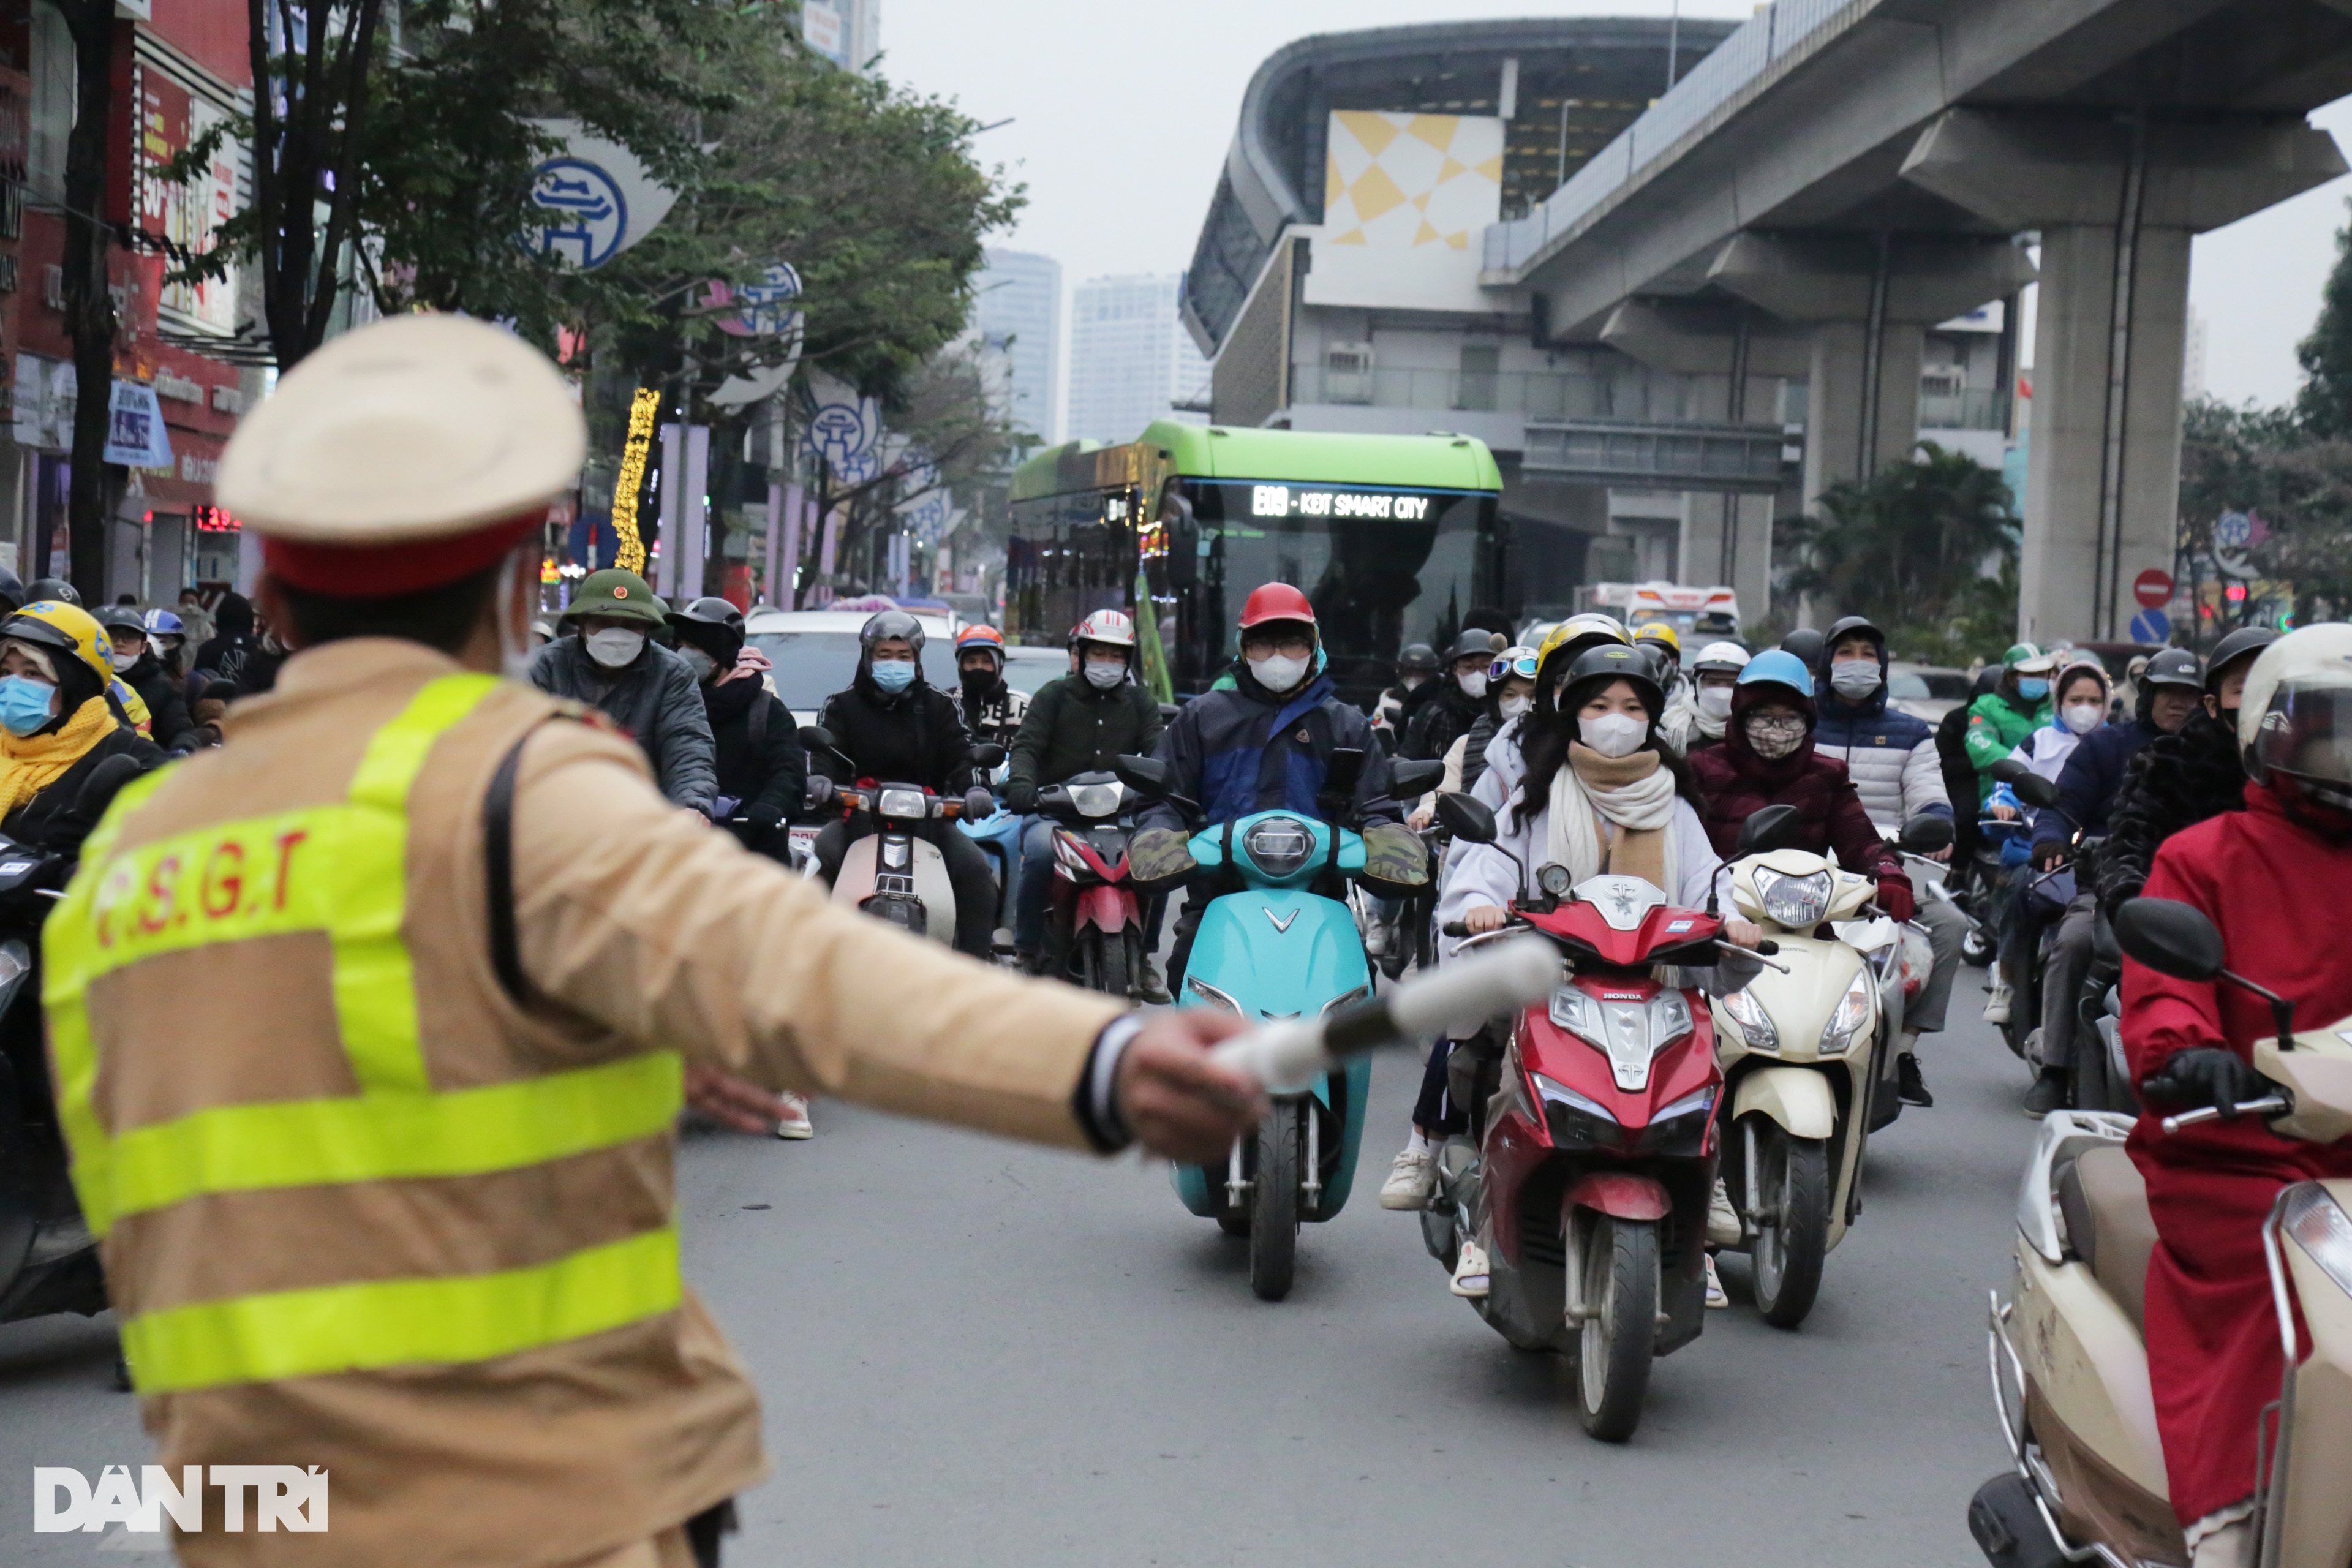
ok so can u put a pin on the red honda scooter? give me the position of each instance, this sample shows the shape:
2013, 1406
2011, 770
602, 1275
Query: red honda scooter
1588, 1181
1094, 933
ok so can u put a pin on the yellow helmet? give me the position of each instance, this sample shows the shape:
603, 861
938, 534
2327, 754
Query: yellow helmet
58, 628
1658, 631
1591, 622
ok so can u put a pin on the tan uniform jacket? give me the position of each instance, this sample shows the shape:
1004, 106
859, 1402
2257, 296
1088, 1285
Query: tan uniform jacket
639, 926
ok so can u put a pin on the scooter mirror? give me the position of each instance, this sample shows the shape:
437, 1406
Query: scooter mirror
1774, 827
817, 737
2169, 937
987, 754
2008, 770
1407, 780
1149, 775
1926, 832
2034, 791
105, 782
1467, 818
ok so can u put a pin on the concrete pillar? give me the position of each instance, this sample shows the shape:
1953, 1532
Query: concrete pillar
2116, 201
1851, 433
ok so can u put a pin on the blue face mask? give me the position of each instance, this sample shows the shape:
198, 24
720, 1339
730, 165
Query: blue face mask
893, 674
23, 704
2032, 687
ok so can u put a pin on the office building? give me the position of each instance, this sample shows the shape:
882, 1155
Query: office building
1130, 360
1017, 313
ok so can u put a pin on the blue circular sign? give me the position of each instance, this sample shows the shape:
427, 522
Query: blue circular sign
588, 217
2151, 626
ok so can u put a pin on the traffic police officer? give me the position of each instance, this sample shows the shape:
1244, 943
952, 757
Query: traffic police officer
368, 1026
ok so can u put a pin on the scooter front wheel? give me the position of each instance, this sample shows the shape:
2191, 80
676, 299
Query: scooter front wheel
1618, 1336
1792, 1236
1274, 1205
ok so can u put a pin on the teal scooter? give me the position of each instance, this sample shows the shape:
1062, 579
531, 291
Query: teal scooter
1279, 943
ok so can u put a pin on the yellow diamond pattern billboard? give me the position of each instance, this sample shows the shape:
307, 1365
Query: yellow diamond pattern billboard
1393, 181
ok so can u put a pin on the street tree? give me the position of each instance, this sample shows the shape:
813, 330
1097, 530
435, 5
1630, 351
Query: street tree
2325, 406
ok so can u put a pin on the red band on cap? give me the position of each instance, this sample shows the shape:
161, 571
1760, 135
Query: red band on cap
385, 570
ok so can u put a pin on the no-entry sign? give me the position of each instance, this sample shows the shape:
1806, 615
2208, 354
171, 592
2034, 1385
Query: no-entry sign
2152, 588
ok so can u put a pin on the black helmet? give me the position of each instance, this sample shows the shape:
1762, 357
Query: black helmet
2246, 642
12, 590
711, 624
1474, 643
1808, 645
1420, 658
123, 618
1846, 628
56, 588
1597, 667
2174, 666
884, 624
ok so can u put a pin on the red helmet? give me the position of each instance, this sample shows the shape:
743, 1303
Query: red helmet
1276, 602
981, 636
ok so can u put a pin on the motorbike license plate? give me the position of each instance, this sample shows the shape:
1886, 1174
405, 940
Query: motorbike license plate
802, 844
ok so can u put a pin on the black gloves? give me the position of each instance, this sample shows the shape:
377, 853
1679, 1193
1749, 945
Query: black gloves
978, 803
2206, 1075
763, 817
1021, 796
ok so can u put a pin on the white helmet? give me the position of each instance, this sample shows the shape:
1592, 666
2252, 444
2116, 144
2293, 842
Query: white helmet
1728, 657
2295, 717
1109, 627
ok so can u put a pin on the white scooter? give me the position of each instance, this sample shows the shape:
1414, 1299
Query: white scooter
892, 873
2069, 1360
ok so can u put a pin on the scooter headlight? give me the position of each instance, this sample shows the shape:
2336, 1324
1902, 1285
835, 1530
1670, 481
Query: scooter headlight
906, 805
1349, 1000
2319, 1225
1554, 1093
1096, 799
1795, 902
1279, 844
1854, 1011
1755, 1023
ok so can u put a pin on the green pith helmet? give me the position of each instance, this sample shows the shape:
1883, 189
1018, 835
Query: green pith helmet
623, 596
2019, 652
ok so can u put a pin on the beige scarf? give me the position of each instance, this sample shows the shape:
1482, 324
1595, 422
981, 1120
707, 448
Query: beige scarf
1613, 815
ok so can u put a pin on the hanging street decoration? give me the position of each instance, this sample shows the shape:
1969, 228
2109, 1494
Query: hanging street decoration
598, 197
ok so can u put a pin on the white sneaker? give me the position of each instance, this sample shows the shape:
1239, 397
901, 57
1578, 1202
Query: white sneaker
1376, 940
1714, 1296
794, 1125
1996, 1004
1723, 1226
1470, 1273
1411, 1180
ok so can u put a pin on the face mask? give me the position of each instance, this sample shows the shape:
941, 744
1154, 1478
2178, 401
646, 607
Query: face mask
1772, 739
1102, 676
2033, 689
893, 674
979, 682
121, 662
1714, 701
1855, 678
1472, 684
702, 663
1278, 672
616, 647
23, 704
2084, 717
1512, 707
1613, 734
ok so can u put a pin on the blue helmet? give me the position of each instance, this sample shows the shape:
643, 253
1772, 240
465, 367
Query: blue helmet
164, 624
1779, 667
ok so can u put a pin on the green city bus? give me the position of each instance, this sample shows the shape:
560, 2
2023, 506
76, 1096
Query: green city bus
1393, 538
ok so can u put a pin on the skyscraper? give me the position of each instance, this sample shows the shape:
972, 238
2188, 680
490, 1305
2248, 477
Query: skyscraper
1130, 360
1017, 311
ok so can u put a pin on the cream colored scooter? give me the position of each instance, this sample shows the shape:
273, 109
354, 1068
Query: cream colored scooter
1798, 1047
2069, 1361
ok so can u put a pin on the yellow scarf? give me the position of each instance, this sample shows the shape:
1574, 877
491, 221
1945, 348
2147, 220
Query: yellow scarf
32, 763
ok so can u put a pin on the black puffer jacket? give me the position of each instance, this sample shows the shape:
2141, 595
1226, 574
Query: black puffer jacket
915, 737
761, 762
1071, 727
1444, 719
167, 709
2174, 782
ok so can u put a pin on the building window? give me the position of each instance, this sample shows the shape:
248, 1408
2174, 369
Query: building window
1482, 366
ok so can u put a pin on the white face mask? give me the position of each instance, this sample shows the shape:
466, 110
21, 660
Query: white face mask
121, 662
1278, 672
1714, 701
1472, 684
702, 663
1104, 674
1613, 734
1512, 707
1855, 678
2085, 717
614, 648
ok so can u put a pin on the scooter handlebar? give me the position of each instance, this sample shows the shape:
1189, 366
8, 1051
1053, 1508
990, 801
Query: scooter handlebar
2268, 1105
1288, 1055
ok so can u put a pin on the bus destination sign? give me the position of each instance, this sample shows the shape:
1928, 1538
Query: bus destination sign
1289, 500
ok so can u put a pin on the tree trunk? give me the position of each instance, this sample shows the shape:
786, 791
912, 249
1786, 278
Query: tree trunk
90, 305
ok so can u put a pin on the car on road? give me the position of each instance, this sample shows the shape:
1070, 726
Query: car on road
814, 653
1027, 669
1925, 690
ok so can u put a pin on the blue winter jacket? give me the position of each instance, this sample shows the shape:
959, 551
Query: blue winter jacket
1890, 755
1240, 749
2089, 783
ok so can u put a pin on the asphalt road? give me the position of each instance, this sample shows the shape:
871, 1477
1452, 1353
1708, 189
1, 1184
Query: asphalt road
974, 1353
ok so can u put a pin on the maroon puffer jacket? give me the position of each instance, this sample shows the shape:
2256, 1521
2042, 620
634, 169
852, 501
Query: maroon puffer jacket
1738, 783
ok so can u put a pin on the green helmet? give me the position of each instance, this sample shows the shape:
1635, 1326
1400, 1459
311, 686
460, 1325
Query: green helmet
623, 596
2018, 652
